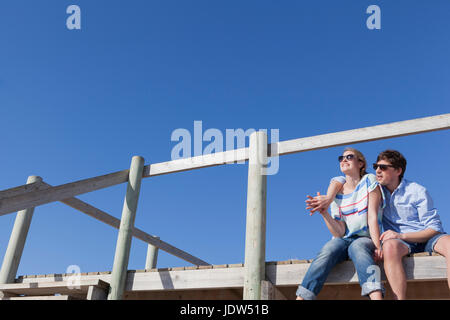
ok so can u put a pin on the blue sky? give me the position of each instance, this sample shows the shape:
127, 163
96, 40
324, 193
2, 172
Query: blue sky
80, 103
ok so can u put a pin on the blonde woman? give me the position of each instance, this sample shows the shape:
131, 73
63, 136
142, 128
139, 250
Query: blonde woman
354, 223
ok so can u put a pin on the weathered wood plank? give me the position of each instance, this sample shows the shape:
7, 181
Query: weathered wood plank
416, 268
23, 189
384, 131
431, 268
53, 287
92, 212
35, 198
96, 293
271, 292
168, 248
203, 161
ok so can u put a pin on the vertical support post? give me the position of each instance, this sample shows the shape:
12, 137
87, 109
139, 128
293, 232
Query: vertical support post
17, 240
152, 256
255, 235
123, 246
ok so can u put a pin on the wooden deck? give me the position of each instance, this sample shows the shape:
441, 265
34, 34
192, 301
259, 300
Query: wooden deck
90, 289
426, 275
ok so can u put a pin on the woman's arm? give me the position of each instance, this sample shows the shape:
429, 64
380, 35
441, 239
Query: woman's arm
337, 228
321, 202
374, 201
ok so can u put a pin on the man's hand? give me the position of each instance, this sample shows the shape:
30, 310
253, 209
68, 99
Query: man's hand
387, 235
318, 203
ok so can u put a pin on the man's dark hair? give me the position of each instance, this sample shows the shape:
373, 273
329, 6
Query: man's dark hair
395, 158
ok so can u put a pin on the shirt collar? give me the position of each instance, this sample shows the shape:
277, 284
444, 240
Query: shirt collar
401, 186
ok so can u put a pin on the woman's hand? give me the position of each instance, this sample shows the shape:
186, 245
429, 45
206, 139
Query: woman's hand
378, 255
318, 203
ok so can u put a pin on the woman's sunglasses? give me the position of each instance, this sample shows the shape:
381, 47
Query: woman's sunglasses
382, 167
348, 157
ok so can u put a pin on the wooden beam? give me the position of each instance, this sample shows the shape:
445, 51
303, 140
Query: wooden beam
17, 240
384, 131
270, 292
96, 293
52, 287
208, 294
168, 248
115, 223
152, 257
204, 161
255, 232
428, 268
125, 236
23, 189
30, 199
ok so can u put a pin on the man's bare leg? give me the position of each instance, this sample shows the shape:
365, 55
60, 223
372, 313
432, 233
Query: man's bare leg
393, 253
442, 247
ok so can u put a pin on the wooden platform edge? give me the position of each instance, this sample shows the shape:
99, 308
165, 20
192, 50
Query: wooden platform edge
282, 273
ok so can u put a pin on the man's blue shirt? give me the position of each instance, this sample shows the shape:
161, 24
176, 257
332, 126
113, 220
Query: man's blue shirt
410, 209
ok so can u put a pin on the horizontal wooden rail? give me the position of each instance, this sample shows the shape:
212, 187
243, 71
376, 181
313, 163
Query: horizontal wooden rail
384, 131
204, 161
29, 199
22, 197
20, 190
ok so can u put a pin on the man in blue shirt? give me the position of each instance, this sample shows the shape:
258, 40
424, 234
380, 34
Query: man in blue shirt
409, 218
411, 224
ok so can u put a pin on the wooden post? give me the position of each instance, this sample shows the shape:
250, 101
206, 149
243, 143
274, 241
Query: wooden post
122, 255
152, 256
255, 235
17, 241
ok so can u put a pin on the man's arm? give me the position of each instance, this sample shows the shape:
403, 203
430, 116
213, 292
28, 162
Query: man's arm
427, 213
418, 236
427, 216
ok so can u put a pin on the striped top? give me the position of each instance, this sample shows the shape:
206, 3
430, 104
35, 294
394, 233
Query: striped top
352, 208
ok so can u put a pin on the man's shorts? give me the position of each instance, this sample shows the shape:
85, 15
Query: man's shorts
416, 247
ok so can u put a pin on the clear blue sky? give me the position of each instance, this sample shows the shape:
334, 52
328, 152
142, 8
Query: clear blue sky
80, 103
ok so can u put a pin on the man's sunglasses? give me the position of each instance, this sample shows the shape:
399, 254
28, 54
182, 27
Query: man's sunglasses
382, 167
348, 157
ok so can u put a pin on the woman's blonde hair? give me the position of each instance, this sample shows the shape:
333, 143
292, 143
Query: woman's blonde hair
361, 158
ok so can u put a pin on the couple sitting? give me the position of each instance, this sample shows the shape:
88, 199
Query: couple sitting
361, 204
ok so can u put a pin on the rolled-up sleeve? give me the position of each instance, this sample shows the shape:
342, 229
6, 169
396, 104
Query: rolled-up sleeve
339, 179
428, 214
